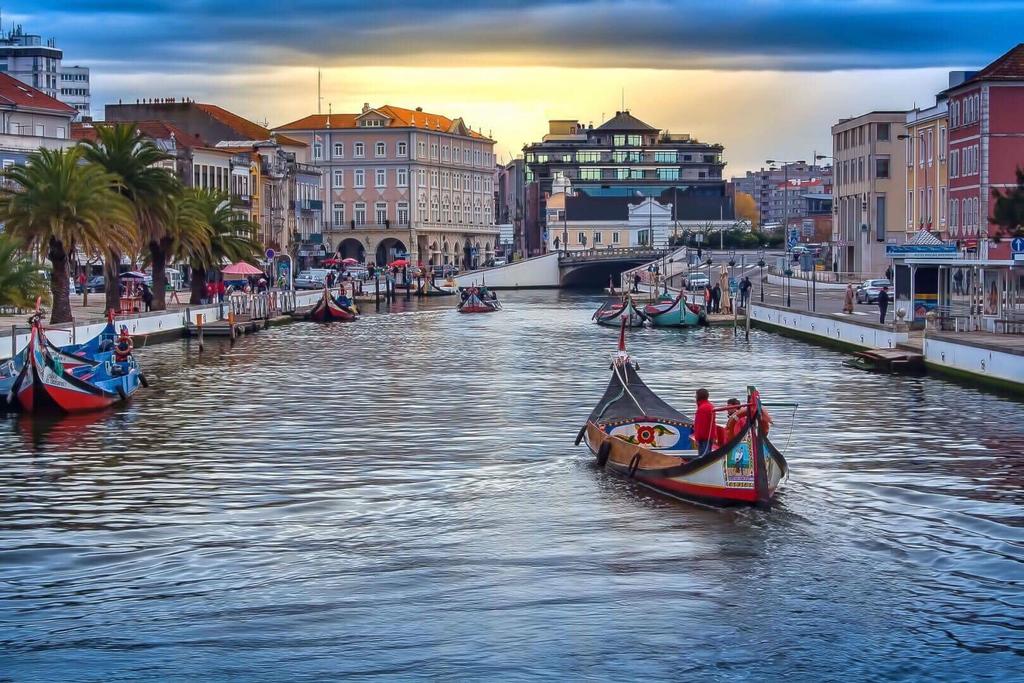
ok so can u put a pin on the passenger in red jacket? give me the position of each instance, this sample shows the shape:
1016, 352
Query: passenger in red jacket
704, 427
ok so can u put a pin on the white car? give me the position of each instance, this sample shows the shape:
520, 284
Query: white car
696, 281
499, 262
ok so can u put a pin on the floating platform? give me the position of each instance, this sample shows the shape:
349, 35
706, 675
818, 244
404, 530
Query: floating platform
222, 328
895, 361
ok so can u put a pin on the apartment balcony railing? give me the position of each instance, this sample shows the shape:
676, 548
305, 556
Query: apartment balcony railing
351, 225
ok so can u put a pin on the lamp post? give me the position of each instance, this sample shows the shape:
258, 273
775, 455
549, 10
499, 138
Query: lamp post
760, 267
785, 221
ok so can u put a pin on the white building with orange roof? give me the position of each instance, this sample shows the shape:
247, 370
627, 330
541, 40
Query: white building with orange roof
403, 182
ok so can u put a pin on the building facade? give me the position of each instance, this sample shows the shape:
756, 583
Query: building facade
764, 185
926, 143
37, 63
869, 190
30, 120
623, 157
986, 145
404, 183
75, 90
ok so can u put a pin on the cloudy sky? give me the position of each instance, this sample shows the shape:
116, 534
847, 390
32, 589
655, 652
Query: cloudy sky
766, 78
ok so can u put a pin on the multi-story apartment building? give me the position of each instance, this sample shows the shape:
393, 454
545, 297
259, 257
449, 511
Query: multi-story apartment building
270, 173
510, 205
868, 189
927, 181
29, 120
404, 182
74, 88
986, 145
788, 200
36, 63
624, 157
764, 186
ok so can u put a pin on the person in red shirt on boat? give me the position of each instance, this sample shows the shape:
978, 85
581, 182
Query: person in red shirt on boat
123, 346
704, 428
737, 419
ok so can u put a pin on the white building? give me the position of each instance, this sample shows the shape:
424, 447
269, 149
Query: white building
36, 63
74, 88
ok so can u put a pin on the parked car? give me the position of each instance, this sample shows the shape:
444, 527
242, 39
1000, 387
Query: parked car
697, 281
499, 262
95, 284
867, 292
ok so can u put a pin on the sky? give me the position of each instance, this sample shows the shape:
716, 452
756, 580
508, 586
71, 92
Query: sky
765, 78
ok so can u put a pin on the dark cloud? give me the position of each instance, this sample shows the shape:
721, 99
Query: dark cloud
168, 36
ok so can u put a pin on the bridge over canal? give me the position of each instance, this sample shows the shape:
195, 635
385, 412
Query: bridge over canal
590, 268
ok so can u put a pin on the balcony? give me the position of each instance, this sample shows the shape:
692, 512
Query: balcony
307, 205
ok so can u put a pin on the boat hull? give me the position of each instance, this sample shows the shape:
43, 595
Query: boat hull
328, 310
612, 315
676, 314
726, 476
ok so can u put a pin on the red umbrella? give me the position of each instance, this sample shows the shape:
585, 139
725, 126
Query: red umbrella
242, 268
349, 261
330, 261
399, 263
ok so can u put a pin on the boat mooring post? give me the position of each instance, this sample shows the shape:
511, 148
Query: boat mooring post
377, 290
199, 326
746, 309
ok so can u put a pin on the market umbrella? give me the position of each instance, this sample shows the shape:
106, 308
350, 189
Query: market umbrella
331, 261
349, 261
242, 268
399, 263
132, 275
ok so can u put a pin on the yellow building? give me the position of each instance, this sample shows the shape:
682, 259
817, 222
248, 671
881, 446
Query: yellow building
927, 179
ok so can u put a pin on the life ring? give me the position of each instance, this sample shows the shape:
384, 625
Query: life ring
603, 452
633, 465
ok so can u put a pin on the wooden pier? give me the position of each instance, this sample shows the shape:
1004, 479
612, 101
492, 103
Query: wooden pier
896, 361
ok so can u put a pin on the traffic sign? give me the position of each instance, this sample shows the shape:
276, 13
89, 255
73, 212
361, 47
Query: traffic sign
794, 237
270, 254
1017, 245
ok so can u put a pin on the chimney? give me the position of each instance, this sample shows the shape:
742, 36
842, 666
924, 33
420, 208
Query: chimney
419, 108
366, 107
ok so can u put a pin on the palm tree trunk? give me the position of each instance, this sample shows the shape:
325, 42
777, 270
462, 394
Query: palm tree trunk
158, 256
111, 286
198, 285
59, 289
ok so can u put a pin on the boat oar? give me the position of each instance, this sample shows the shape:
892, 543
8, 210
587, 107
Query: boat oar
579, 436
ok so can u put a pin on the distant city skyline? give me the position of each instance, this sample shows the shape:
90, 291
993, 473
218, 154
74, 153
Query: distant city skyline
764, 79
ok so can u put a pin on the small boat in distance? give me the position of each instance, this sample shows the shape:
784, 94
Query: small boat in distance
447, 288
328, 309
617, 311
675, 313
478, 300
634, 433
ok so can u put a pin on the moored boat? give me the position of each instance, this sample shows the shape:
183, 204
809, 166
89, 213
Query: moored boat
675, 313
616, 311
430, 288
45, 384
328, 310
634, 433
478, 300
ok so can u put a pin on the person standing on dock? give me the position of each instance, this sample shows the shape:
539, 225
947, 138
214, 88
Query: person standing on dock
716, 299
637, 279
704, 427
848, 300
883, 304
745, 286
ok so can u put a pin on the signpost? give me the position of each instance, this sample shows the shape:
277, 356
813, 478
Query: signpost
1017, 245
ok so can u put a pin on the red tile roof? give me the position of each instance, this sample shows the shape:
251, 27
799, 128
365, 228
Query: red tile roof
1009, 67
14, 92
244, 127
401, 118
157, 130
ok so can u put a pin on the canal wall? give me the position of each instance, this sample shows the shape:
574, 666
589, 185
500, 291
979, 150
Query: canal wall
997, 366
833, 329
536, 272
147, 328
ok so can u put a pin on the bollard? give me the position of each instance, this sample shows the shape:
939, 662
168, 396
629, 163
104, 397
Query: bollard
231, 324
377, 291
199, 326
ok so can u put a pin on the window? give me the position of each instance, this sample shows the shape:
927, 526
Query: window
339, 178
615, 238
929, 215
634, 140
882, 132
665, 157
476, 157
880, 218
402, 149
920, 149
457, 181
422, 178
435, 209
860, 166
466, 156
402, 177
360, 178
455, 155
622, 174
358, 150
931, 146
618, 140
421, 207
910, 150
444, 153
403, 213
433, 179
597, 238
380, 210
910, 208
360, 213
581, 237
421, 149
588, 157
476, 183
942, 206
61, 133
953, 206
433, 150
339, 214
318, 151
942, 143
379, 149
881, 167
446, 180
339, 150
381, 177
668, 174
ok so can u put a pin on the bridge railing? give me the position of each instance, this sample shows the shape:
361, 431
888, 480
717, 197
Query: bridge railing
612, 253
669, 263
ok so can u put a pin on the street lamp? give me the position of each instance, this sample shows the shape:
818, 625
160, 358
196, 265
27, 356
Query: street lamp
785, 202
760, 267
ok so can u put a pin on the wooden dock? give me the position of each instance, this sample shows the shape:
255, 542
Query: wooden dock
896, 361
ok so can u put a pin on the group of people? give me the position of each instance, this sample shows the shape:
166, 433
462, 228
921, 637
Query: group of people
708, 434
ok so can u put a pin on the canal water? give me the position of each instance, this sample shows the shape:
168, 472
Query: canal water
401, 497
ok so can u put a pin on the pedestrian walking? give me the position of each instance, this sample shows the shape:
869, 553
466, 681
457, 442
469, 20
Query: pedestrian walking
848, 300
745, 287
883, 304
636, 281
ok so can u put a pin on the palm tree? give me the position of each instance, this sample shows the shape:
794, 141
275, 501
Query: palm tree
152, 189
20, 279
232, 237
58, 204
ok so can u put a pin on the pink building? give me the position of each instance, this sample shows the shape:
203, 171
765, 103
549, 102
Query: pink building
403, 182
986, 145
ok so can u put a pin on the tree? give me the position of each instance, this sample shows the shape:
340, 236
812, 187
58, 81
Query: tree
59, 204
151, 188
1008, 212
231, 236
20, 279
746, 208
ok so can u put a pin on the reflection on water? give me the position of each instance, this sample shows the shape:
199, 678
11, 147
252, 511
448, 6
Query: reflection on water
401, 497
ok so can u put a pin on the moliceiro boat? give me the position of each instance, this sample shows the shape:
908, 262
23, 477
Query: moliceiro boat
478, 300
635, 434
329, 309
447, 288
46, 384
674, 313
616, 312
